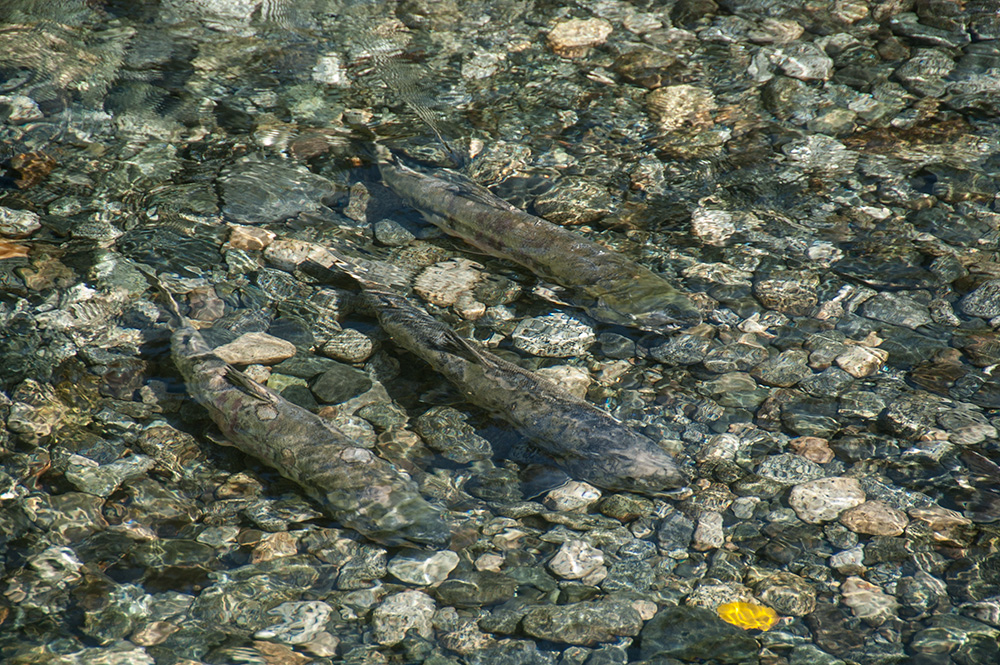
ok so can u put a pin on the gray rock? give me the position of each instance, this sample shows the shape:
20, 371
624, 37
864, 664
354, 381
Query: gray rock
675, 531
340, 383
824, 499
783, 370
300, 622
257, 192
403, 612
555, 335
423, 568
789, 469
897, 309
476, 589
392, 234
984, 301
787, 594
585, 623
696, 634
18, 223
445, 430
103, 480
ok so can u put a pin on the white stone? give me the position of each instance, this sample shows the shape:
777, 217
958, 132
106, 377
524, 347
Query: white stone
573, 497
576, 560
408, 610
824, 499
423, 568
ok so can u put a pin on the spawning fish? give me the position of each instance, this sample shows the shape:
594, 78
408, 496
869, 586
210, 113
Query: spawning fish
357, 488
608, 285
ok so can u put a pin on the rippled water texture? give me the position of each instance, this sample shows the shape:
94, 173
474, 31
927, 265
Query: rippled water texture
818, 181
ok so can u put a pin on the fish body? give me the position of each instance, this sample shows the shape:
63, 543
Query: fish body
608, 285
586, 442
356, 487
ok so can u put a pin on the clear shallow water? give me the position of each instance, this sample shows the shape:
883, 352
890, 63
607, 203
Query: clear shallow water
820, 181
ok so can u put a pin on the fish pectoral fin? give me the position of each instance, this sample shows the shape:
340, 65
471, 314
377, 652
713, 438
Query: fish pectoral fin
248, 385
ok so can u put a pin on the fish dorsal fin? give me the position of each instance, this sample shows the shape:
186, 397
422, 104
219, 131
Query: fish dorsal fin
240, 380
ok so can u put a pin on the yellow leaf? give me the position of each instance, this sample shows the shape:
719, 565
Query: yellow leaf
748, 615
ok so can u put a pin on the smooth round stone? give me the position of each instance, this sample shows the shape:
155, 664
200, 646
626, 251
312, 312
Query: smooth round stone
787, 594
577, 560
875, 518
340, 383
255, 348
300, 622
476, 589
349, 346
423, 568
572, 497
696, 634
823, 500
574, 37
867, 601
585, 623
402, 612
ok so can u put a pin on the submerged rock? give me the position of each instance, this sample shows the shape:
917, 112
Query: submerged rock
584, 623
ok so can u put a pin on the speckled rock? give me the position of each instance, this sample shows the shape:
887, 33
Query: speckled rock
255, 347
423, 568
349, 346
813, 448
399, 613
789, 469
984, 301
300, 622
789, 292
584, 623
787, 594
824, 499
868, 601
445, 430
555, 335
875, 518
575, 37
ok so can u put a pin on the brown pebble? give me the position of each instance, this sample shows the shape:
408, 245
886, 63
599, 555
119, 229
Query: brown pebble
874, 518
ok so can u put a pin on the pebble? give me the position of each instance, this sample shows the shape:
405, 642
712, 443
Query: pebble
402, 612
897, 309
476, 589
572, 497
849, 562
947, 526
783, 370
675, 106
348, 346
574, 38
787, 594
789, 292
868, 602
340, 383
577, 560
103, 480
300, 622
862, 361
392, 234
803, 61
423, 568
695, 634
442, 284
823, 500
585, 623
555, 335
18, 223
445, 430
708, 534
813, 448
984, 301
789, 469
255, 348
874, 518
574, 380
249, 238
